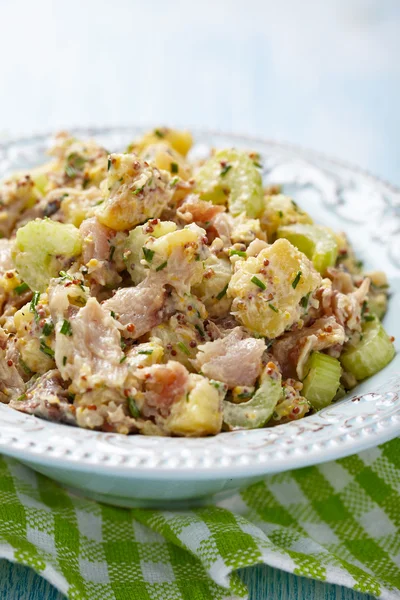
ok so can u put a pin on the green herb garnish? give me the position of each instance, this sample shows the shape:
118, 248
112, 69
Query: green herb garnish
64, 360
174, 181
184, 348
237, 253
296, 280
225, 169
272, 307
162, 266
66, 328
199, 329
304, 300
21, 397
25, 367
222, 293
258, 282
137, 191
159, 133
174, 167
369, 318
244, 395
46, 349
112, 250
48, 328
123, 359
133, 409
112, 313
148, 352
148, 254
108, 164
20, 289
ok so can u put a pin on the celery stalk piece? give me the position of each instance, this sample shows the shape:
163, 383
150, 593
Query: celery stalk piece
373, 352
322, 381
259, 409
42, 248
315, 241
231, 176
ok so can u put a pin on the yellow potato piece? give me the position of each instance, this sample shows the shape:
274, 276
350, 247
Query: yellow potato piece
267, 289
281, 210
134, 192
200, 413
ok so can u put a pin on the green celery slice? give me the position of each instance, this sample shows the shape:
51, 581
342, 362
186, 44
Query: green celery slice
315, 241
322, 381
231, 176
371, 354
257, 411
41, 248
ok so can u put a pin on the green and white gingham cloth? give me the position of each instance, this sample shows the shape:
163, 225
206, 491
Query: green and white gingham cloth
337, 522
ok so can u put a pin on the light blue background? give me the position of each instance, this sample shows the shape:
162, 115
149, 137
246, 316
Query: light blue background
321, 73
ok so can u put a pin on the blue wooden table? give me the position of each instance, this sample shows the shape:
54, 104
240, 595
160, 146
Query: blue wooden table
265, 583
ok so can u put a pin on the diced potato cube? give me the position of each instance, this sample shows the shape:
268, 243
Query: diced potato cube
212, 289
281, 210
181, 141
166, 158
134, 192
267, 289
200, 413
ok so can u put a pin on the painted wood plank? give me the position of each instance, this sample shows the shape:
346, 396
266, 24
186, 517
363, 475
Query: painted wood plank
22, 583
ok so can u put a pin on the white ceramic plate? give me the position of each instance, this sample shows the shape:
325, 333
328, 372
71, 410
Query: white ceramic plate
140, 470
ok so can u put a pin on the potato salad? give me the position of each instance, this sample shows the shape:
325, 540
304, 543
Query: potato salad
148, 292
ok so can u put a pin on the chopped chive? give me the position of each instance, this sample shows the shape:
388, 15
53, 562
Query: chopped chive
123, 345
112, 313
199, 329
34, 301
245, 395
295, 205
225, 170
174, 167
148, 352
112, 250
70, 171
222, 293
184, 348
159, 133
161, 267
174, 181
64, 360
133, 409
272, 307
257, 164
369, 318
123, 359
304, 300
280, 213
197, 257
148, 254
48, 328
108, 164
258, 282
20, 289
237, 253
296, 280
21, 397
137, 191
66, 328
25, 367
46, 349
216, 384
268, 344
188, 397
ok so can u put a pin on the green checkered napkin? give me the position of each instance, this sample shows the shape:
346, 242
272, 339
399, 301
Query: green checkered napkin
337, 522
